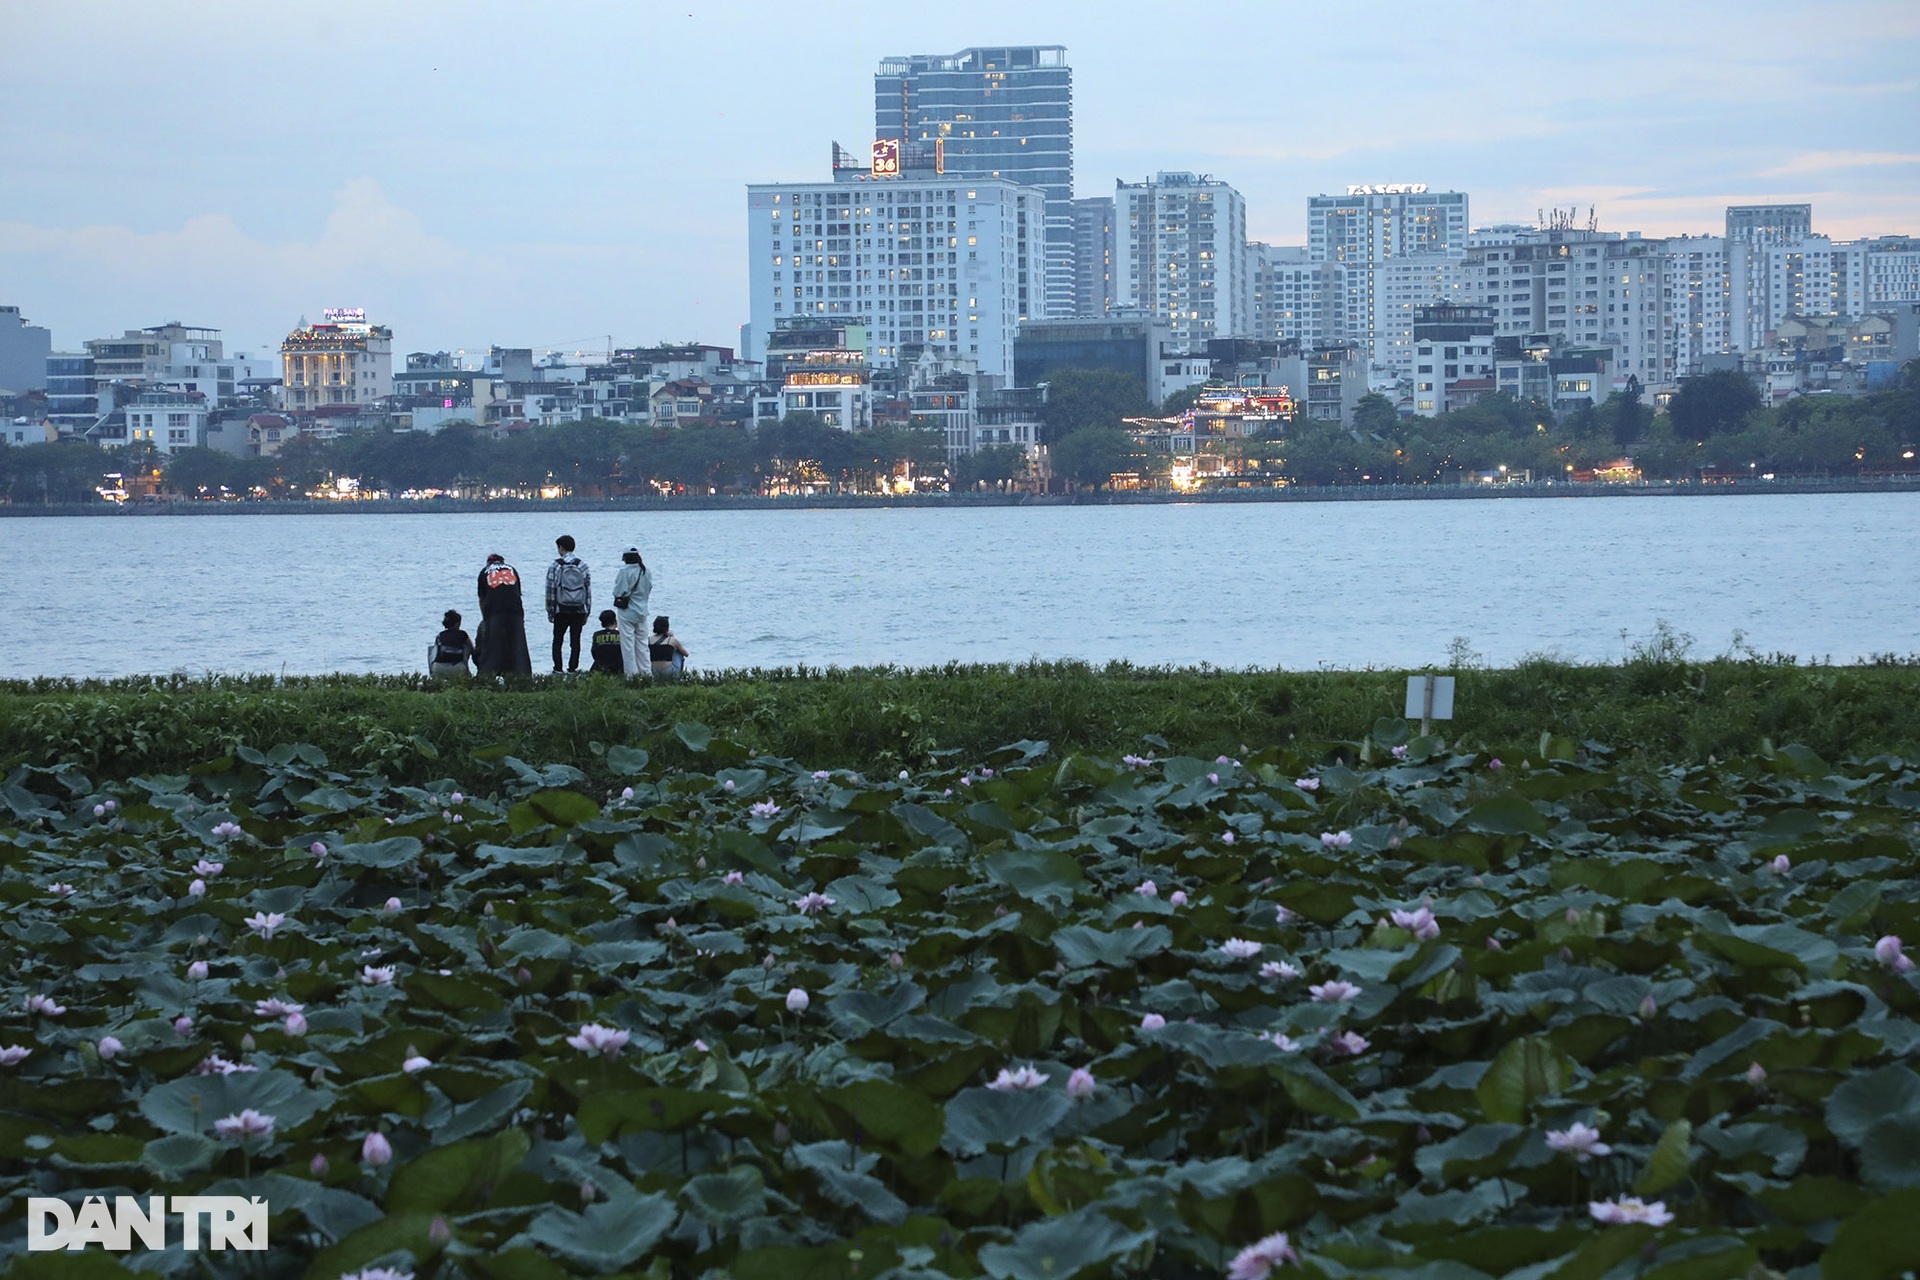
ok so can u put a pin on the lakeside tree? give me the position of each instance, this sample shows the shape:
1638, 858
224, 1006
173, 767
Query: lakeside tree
1713, 403
997, 467
1089, 457
1082, 399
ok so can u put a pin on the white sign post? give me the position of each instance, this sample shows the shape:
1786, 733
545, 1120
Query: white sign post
1430, 698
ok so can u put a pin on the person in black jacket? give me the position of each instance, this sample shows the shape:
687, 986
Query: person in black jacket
502, 646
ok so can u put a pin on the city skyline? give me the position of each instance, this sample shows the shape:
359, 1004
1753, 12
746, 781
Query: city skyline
472, 182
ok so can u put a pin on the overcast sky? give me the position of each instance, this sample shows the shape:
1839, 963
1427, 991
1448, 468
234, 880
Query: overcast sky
552, 176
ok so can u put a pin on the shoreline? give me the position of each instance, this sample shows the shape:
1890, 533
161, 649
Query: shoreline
717, 502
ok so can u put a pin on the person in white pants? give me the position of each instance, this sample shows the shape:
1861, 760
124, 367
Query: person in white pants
632, 587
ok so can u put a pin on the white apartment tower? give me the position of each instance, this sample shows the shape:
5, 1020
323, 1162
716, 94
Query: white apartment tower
1587, 288
1368, 228
1294, 298
926, 262
1181, 255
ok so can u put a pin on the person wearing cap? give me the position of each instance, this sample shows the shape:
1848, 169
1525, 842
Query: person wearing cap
501, 646
632, 588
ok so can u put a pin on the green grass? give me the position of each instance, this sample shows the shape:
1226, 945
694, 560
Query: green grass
1658, 709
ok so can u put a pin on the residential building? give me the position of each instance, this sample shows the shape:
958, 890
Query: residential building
1453, 357
344, 360
1892, 272
1093, 253
1710, 283
1769, 224
1582, 288
162, 417
1813, 276
921, 262
24, 349
1371, 226
73, 393
1181, 256
1138, 345
984, 113
1563, 378
1294, 299
1402, 287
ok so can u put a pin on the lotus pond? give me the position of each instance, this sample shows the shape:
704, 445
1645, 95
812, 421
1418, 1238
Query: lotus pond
1032, 1015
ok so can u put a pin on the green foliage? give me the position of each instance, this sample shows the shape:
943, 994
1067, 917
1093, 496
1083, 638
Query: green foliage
1712, 404
1090, 456
1615, 947
1090, 400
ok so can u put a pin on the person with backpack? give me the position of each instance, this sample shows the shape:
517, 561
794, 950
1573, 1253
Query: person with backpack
569, 600
450, 650
632, 590
501, 646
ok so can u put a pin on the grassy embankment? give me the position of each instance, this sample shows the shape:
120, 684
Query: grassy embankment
1651, 710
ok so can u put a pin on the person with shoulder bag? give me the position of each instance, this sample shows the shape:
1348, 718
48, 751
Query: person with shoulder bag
632, 591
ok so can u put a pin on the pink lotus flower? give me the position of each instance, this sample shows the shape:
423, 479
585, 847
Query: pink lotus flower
275, 1007
1400, 752
1214, 778
1628, 1209
198, 889
379, 1273
1494, 765
733, 877
1349, 1044
821, 775
1279, 1040
1307, 784
416, 1063
14, 1054
264, 923
594, 1038
392, 905
60, 890
1227, 837
1580, 1141
226, 830
1240, 948
727, 785
100, 811
896, 961
197, 971
215, 1065
1152, 1022
1147, 889
1336, 839
1891, 952
1278, 969
110, 1048
1756, 1075
44, 1006
1335, 992
1257, 1259
812, 903
317, 849
208, 869
1780, 865
765, 809
1080, 1085
376, 1150
1420, 923
1647, 1006
1136, 762
296, 1024
183, 1026
1022, 1079
798, 1000
700, 1046
377, 975
1281, 915
248, 1126
903, 775
1178, 897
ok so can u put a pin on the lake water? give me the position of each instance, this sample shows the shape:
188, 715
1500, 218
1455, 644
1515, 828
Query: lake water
1294, 585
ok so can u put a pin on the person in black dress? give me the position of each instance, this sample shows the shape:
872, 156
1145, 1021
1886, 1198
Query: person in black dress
502, 645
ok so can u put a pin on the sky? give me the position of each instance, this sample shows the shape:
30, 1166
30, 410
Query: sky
564, 176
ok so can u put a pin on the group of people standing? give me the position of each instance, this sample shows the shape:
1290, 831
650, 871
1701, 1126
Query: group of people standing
624, 645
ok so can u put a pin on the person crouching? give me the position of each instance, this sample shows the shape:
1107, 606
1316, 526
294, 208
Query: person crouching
606, 645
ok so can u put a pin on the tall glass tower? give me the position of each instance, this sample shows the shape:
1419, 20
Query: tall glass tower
992, 113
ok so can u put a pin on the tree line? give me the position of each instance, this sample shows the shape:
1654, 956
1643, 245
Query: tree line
1715, 425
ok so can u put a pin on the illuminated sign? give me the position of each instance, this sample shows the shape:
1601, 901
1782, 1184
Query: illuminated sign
939, 155
886, 157
811, 379
344, 315
1389, 189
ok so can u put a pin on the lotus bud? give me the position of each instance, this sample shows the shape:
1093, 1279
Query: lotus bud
768, 961
1566, 955
588, 1192
197, 971
110, 1048
183, 1026
999, 911
1422, 1134
487, 910
701, 863
896, 961
376, 1150
781, 1134
198, 889
438, 1232
318, 1166
1647, 1006
797, 1000
246, 1043
523, 975
296, 1024
1756, 1075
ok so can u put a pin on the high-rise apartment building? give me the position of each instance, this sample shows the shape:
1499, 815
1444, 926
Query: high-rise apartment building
1294, 299
1181, 256
927, 262
1811, 277
1371, 226
1585, 288
983, 113
1709, 280
1093, 250
1765, 224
